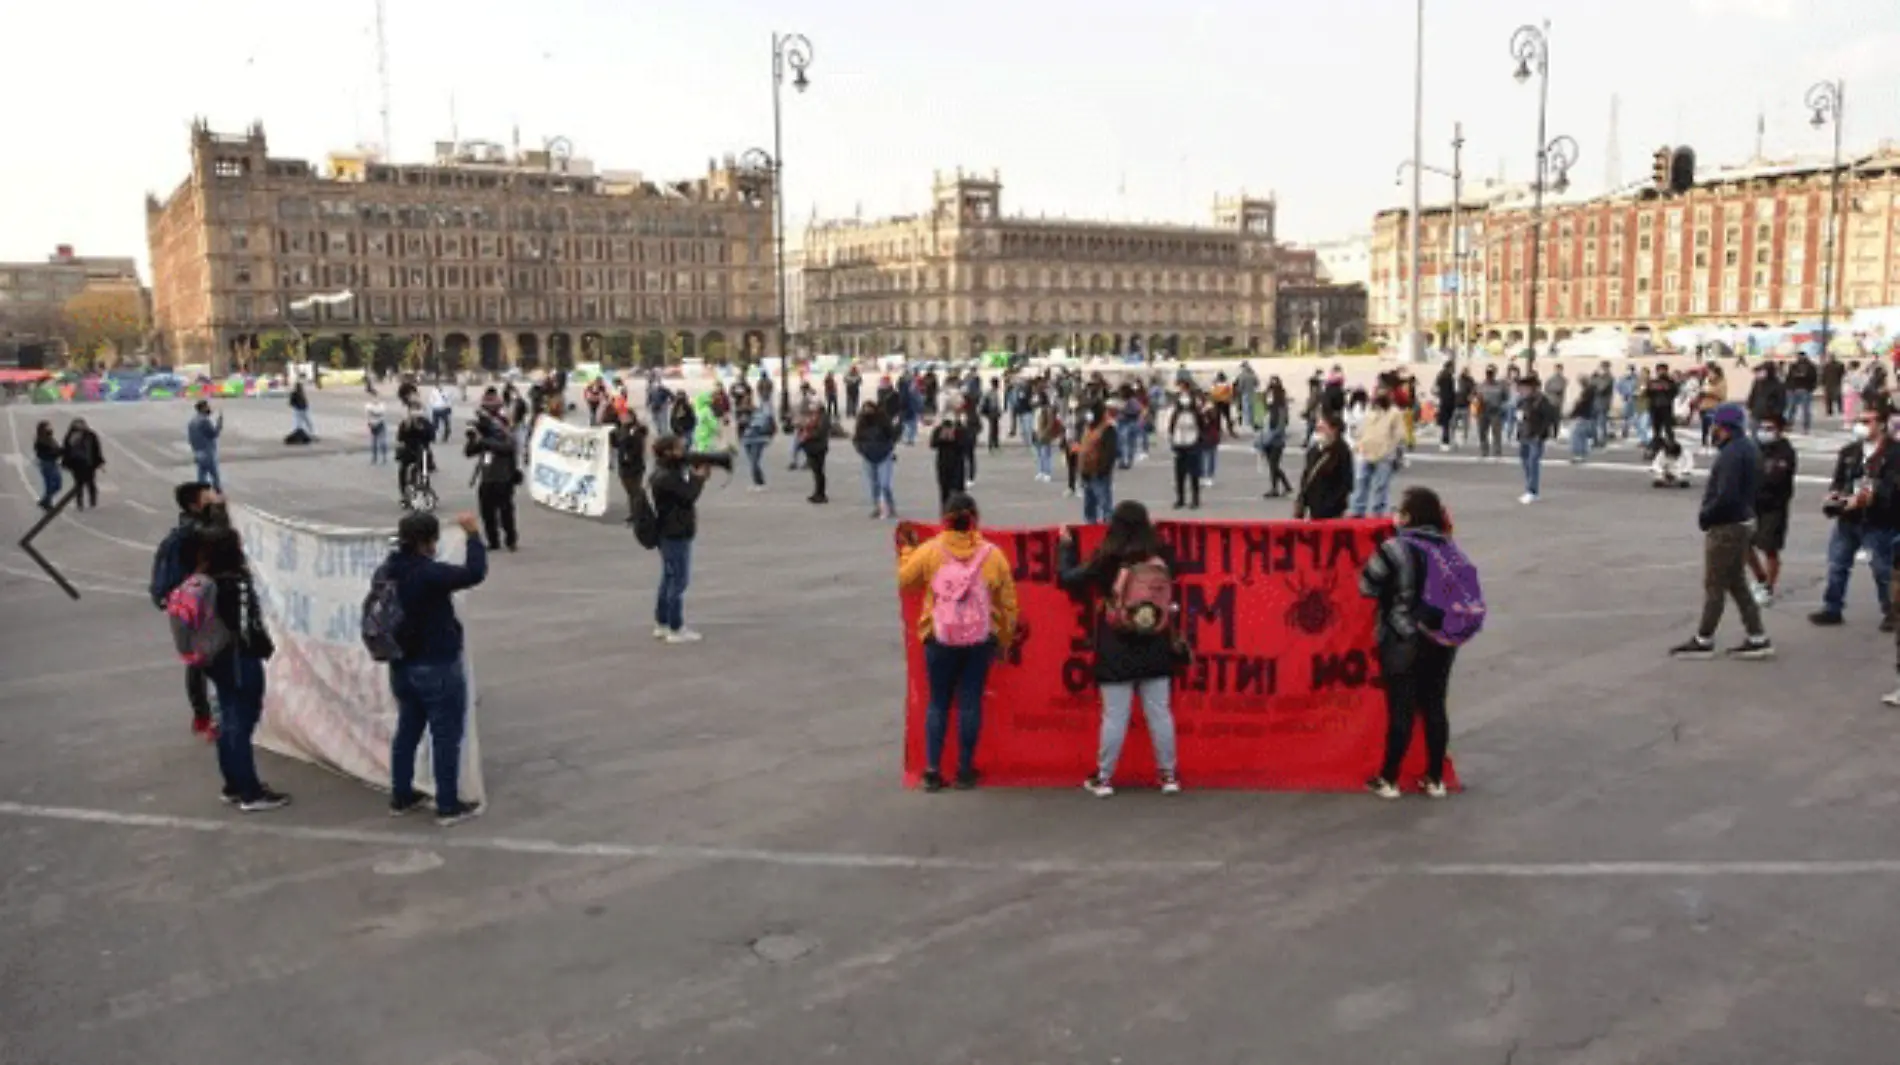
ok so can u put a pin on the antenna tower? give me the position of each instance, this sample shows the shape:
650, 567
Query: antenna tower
1613, 152
382, 79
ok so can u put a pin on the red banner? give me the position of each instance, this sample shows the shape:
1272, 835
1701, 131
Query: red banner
1283, 691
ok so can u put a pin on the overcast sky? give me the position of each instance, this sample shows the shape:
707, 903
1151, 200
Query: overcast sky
1100, 108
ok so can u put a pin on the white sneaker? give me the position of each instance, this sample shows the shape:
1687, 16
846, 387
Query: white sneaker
1068, 493
683, 636
1527, 499
661, 632
1098, 787
1892, 698
1763, 597
972, 482
1207, 482
1433, 789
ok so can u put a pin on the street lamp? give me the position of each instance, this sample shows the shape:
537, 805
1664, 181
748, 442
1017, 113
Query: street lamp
1824, 100
1530, 46
1457, 176
790, 51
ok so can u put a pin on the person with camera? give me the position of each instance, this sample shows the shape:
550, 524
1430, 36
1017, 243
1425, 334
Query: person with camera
676, 485
498, 471
630, 455
1863, 498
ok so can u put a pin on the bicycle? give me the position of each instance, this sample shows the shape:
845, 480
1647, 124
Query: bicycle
418, 493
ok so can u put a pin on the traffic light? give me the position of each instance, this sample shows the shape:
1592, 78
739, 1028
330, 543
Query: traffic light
1659, 170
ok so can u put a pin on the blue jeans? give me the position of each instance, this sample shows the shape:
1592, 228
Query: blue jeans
1801, 400
300, 419
1581, 432
1127, 438
755, 456
432, 695
1026, 425
909, 426
1098, 498
676, 570
1372, 481
1629, 415
1848, 538
877, 483
49, 477
239, 680
1045, 460
1600, 426
1642, 427
1118, 704
378, 445
208, 469
437, 418
1531, 454
955, 672
1210, 458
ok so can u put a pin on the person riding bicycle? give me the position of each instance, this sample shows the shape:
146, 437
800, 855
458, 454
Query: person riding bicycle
415, 460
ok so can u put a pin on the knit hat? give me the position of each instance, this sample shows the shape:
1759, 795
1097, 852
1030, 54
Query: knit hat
1730, 415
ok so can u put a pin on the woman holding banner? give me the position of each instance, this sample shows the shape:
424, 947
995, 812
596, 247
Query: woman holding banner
969, 613
1137, 642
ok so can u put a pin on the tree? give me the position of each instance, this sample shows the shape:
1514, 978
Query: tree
675, 349
276, 348
104, 319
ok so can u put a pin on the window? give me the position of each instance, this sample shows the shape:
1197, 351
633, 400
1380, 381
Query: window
1759, 301
1764, 233
1643, 244
242, 274
1731, 257
1701, 238
1701, 260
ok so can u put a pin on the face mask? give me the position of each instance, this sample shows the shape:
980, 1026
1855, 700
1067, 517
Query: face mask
1769, 436
1324, 439
1860, 431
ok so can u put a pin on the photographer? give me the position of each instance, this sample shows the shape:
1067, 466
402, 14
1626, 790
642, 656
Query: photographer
676, 486
1863, 498
498, 471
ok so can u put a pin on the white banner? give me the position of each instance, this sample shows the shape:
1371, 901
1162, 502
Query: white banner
326, 700
567, 467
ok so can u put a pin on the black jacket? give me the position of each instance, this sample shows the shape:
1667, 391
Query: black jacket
874, 436
676, 501
947, 440
1767, 396
1537, 417
1734, 481
630, 451
1326, 484
1660, 396
81, 453
48, 450
1803, 376
1778, 465
426, 588
496, 452
1854, 471
1120, 656
1833, 374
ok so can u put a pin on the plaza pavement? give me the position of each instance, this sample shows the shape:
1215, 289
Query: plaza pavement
703, 853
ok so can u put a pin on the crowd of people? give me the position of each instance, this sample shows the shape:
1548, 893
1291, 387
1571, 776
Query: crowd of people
1354, 439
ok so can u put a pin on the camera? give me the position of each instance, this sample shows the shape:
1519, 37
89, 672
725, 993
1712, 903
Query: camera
719, 459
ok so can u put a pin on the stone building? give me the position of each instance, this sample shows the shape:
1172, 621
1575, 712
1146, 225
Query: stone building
35, 297
1743, 247
963, 277
484, 257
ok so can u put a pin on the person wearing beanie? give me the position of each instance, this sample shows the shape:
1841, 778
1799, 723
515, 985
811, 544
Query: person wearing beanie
1727, 520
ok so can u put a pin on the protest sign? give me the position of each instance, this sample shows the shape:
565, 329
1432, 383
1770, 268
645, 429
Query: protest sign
326, 701
567, 467
1283, 691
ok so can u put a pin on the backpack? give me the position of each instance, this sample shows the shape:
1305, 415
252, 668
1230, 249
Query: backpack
1142, 600
645, 521
1448, 586
168, 565
960, 608
198, 634
383, 617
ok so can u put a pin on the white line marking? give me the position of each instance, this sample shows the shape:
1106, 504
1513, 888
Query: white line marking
907, 862
136, 505
35, 575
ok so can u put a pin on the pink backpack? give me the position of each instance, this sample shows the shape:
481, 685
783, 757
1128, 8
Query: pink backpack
960, 609
1142, 600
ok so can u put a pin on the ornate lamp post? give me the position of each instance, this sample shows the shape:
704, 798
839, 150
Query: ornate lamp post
1824, 99
790, 51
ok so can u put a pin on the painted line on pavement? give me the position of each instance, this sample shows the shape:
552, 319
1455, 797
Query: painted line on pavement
907, 863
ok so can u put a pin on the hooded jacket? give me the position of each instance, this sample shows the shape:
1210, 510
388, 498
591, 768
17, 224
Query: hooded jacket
431, 633
917, 567
1120, 656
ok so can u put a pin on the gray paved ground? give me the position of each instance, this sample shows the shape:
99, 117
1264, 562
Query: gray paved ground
703, 853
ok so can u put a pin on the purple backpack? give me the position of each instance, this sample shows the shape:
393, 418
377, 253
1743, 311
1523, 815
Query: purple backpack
1448, 584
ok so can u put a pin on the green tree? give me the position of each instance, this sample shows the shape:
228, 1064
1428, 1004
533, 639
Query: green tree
275, 349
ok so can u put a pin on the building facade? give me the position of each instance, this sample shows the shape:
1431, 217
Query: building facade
1345, 261
1743, 247
963, 278
37, 299
482, 258
1316, 316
